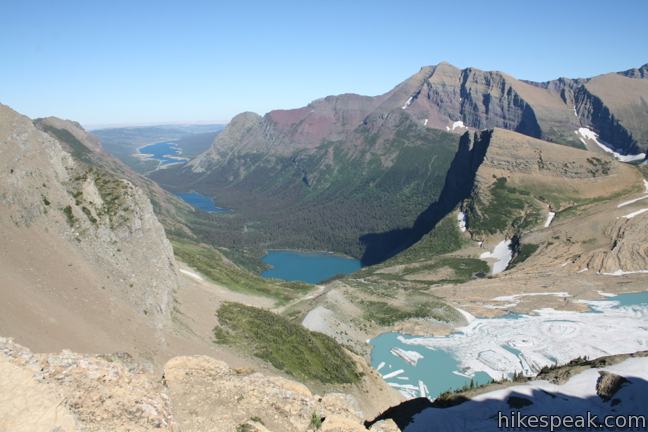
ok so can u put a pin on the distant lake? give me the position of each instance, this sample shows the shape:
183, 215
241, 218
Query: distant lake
167, 153
200, 202
307, 267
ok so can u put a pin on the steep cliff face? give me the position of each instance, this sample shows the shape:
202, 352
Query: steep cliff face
522, 179
620, 111
74, 234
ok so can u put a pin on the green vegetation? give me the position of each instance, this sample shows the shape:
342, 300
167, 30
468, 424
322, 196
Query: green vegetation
443, 239
386, 314
324, 199
257, 419
210, 262
88, 214
524, 252
46, 201
287, 346
69, 216
115, 194
507, 208
599, 166
315, 421
577, 206
463, 268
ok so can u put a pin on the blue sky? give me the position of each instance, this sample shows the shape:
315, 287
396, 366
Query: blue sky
133, 62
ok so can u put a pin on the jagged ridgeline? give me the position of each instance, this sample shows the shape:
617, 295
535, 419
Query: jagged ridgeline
368, 176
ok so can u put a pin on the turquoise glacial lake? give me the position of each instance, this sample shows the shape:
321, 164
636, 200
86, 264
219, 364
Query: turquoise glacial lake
310, 267
437, 369
631, 299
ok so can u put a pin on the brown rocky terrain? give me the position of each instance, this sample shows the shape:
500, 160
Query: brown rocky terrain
74, 392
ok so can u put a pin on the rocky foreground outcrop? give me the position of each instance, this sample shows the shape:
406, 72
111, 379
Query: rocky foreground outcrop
67, 392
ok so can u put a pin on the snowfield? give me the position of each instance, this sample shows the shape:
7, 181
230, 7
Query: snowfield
456, 125
550, 218
461, 219
502, 255
588, 134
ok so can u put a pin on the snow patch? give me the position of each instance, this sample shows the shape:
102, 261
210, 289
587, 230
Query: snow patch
409, 101
623, 204
393, 374
502, 254
588, 134
550, 218
425, 122
637, 213
458, 125
192, 275
515, 297
623, 273
411, 357
461, 218
467, 315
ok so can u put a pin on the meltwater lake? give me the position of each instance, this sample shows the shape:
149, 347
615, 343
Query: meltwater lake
428, 365
310, 267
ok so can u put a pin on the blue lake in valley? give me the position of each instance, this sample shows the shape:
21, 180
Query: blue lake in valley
167, 153
201, 202
310, 267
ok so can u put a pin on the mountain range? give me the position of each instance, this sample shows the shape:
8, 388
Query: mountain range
347, 170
